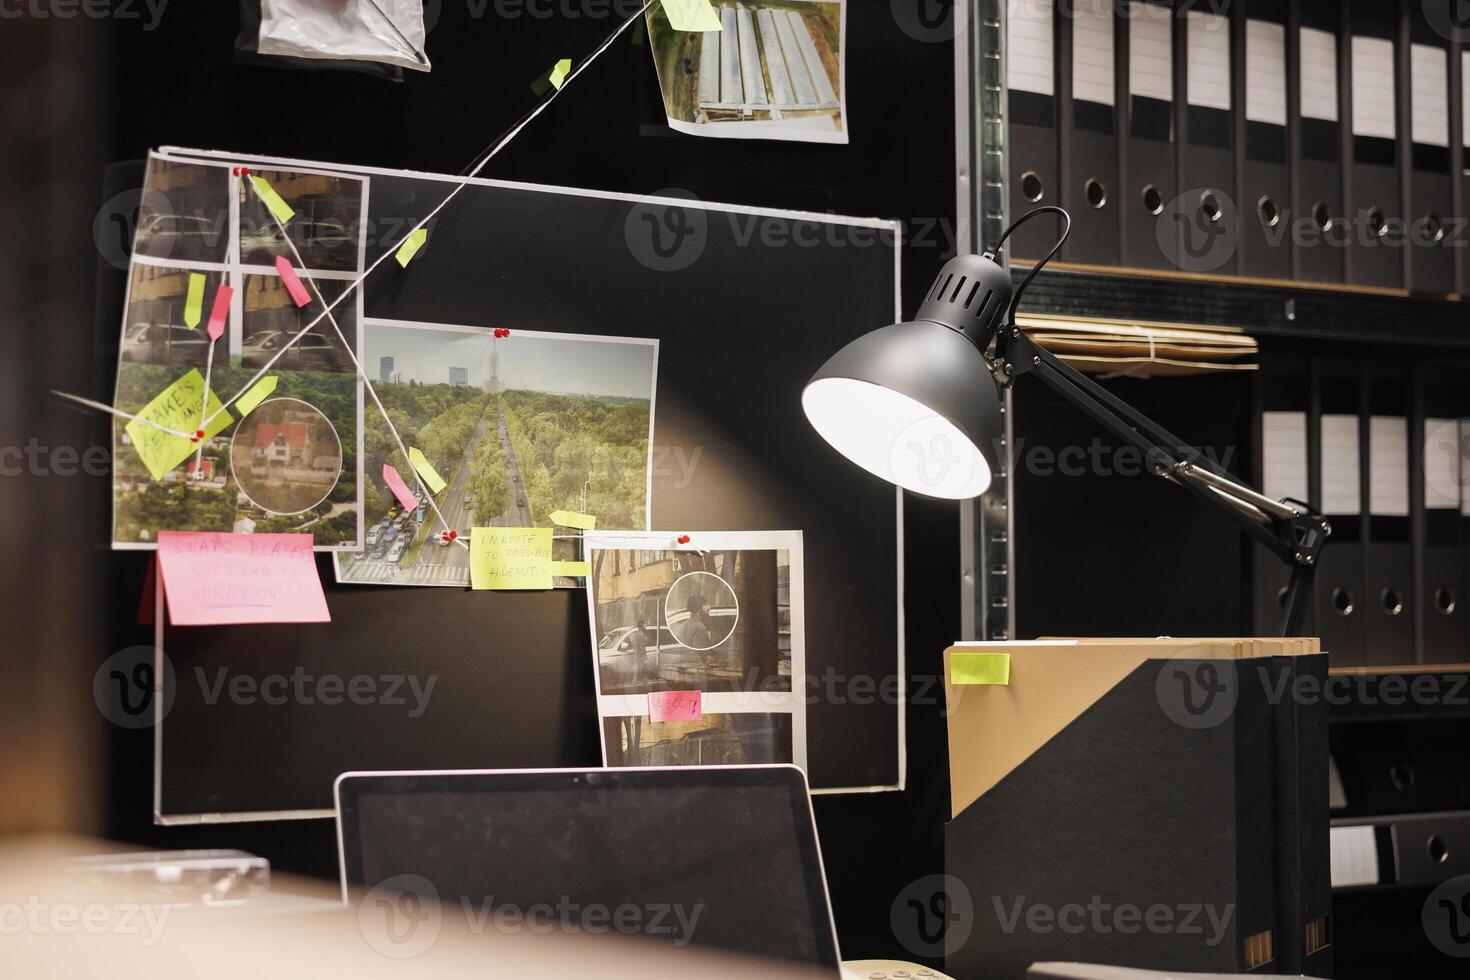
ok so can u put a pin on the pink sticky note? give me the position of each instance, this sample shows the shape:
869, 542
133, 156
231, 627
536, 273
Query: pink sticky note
405, 496
674, 706
219, 314
213, 578
292, 282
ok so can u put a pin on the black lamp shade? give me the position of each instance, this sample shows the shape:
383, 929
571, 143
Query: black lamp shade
914, 404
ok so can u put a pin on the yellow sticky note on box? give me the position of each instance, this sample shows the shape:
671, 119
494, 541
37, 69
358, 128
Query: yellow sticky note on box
178, 408
272, 200
425, 470
692, 15
510, 558
970, 667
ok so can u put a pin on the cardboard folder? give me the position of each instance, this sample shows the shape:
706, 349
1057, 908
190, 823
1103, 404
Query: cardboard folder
1090, 160
1031, 108
1321, 226
1376, 249
1120, 773
1431, 204
1148, 160
1265, 240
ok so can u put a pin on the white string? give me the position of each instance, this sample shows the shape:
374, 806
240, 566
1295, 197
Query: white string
121, 414
463, 183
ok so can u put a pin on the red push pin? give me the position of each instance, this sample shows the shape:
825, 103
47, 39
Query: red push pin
683, 539
198, 434
245, 171
235, 171
444, 535
453, 535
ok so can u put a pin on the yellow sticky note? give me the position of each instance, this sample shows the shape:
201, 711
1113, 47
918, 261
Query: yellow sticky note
559, 73
974, 667
425, 470
194, 303
567, 518
692, 15
410, 248
510, 558
178, 409
272, 200
573, 569
262, 389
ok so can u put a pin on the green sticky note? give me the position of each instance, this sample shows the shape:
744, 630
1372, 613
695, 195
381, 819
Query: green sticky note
178, 408
510, 558
258, 393
194, 304
572, 569
692, 15
272, 200
559, 73
567, 518
973, 667
410, 248
426, 471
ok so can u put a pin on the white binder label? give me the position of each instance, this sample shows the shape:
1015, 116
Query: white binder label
1429, 74
1373, 87
1151, 51
1388, 466
1284, 455
1465, 102
1341, 490
1354, 856
1441, 464
1029, 56
1265, 72
1319, 74
1092, 51
1209, 60
1465, 467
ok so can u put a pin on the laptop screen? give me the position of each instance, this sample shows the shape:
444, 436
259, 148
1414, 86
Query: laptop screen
722, 858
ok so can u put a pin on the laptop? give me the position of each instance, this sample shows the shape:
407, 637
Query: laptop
716, 857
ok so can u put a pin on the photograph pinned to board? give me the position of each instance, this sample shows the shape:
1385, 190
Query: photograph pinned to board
518, 425
283, 458
699, 647
776, 69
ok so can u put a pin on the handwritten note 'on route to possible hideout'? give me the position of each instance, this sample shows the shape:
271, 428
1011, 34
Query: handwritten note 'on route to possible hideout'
213, 578
510, 558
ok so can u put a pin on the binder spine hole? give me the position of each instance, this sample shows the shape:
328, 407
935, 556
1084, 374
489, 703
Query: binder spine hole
1209, 206
1153, 199
1436, 849
1269, 212
1377, 222
1097, 193
1402, 777
1342, 602
1393, 601
1032, 187
1444, 601
1433, 227
1322, 215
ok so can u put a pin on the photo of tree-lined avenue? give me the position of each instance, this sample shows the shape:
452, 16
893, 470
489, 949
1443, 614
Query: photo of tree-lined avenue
518, 428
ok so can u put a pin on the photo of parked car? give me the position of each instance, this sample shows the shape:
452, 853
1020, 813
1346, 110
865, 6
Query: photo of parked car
326, 228
184, 213
155, 331
272, 322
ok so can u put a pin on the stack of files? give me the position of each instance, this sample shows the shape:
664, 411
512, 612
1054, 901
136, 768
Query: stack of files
1094, 971
1128, 773
1140, 348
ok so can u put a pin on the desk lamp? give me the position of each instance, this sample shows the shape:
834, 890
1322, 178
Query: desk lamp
917, 404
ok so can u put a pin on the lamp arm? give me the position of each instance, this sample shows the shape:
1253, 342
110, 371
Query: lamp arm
1290, 530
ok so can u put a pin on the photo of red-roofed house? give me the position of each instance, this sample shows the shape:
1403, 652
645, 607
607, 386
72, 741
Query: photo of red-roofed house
286, 457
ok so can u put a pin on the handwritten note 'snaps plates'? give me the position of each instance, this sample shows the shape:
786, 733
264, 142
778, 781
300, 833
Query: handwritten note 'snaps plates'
213, 578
